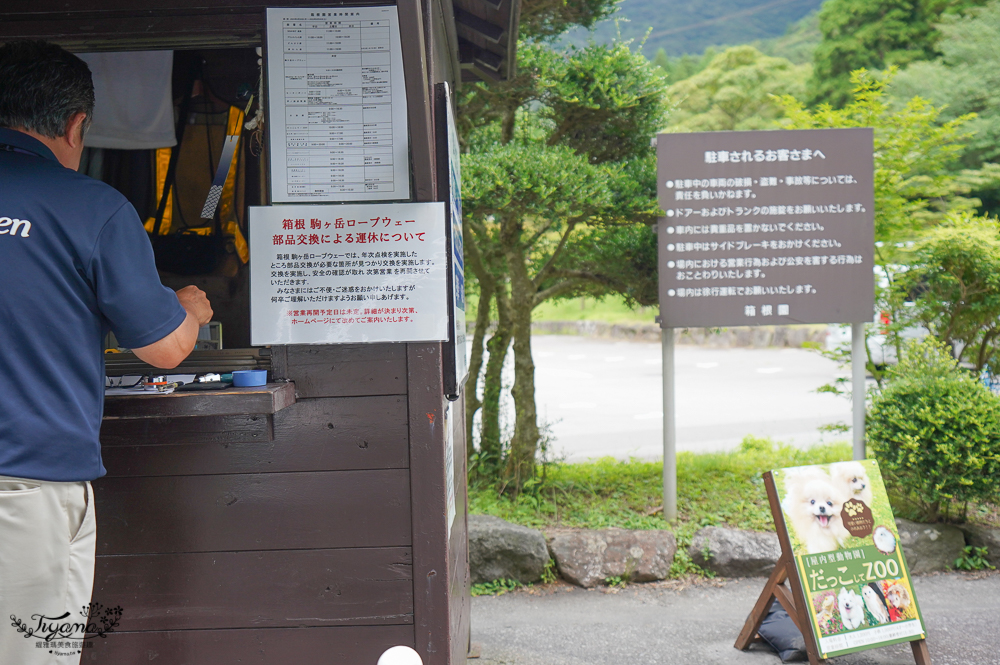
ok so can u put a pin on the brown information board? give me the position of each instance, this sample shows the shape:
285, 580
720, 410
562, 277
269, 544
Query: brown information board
766, 227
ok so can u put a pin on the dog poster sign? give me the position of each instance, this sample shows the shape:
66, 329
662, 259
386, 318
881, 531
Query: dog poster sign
845, 546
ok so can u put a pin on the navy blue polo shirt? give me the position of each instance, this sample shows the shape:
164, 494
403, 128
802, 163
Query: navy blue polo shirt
75, 261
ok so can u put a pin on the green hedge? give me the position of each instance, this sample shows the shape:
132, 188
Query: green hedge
935, 431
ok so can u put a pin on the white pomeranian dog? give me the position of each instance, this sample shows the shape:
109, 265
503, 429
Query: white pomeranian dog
884, 540
853, 480
851, 613
812, 504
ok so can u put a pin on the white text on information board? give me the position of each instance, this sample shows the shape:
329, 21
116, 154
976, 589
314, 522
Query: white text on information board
348, 273
337, 103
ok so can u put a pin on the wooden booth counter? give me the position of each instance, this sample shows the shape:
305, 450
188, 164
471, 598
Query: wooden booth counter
282, 524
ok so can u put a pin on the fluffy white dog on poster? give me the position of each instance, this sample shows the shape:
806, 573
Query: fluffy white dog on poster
853, 480
851, 613
813, 504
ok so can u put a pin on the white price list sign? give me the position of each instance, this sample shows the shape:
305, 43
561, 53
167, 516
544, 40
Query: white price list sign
340, 274
337, 104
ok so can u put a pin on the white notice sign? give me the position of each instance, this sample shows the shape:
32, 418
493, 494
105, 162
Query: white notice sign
348, 273
337, 105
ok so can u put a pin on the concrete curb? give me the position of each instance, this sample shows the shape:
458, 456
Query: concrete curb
742, 337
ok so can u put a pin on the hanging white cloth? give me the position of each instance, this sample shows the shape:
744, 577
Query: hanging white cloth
133, 107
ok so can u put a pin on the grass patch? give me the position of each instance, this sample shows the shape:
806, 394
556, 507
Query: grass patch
714, 489
609, 309
495, 588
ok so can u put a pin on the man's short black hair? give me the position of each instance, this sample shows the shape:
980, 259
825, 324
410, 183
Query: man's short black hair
42, 86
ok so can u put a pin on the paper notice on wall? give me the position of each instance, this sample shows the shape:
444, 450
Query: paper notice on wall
337, 102
341, 274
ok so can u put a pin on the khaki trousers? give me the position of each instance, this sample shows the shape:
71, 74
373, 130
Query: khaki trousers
48, 537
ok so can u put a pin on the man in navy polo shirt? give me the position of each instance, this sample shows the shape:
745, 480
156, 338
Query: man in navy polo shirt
75, 262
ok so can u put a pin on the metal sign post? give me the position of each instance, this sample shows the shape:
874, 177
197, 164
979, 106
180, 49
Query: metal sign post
859, 357
764, 228
669, 428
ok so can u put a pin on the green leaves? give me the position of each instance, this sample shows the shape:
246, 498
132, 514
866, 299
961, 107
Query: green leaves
974, 558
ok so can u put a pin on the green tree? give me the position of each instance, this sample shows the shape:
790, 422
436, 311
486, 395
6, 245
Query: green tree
953, 280
915, 186
737, 90
964, 80
874, 35
686, 66
544, 19
559, 177
914, 150
797, 44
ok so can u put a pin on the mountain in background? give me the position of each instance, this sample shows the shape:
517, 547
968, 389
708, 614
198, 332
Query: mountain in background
690, 26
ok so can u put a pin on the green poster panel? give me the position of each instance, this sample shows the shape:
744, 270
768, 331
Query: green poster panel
846, 551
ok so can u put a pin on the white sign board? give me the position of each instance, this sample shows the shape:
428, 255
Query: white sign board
339, 274
337, 105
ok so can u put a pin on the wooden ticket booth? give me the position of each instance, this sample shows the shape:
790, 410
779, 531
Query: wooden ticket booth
305, 521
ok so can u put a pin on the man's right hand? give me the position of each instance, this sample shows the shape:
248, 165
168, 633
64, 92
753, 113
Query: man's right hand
175, 347
196, 303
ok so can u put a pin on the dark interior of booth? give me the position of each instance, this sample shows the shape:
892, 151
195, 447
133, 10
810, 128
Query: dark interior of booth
215, 94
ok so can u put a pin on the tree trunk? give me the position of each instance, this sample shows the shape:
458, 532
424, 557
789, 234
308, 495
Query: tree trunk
524, 445
472, 401
490, 443
507, 125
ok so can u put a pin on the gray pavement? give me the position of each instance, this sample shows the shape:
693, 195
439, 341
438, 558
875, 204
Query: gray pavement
603, 397
563, 625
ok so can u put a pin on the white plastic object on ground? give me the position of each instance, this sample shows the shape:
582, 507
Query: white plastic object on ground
400, 656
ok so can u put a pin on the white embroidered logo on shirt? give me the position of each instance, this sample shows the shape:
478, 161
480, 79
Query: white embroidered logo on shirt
14, 224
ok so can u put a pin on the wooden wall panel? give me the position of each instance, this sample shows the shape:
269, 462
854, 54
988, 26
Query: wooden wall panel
285, 589
242, 428
347, 370
336, 434
340, 645
253, 512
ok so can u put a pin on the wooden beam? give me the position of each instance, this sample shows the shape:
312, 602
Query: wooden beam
431, 617
762, 606
418, 99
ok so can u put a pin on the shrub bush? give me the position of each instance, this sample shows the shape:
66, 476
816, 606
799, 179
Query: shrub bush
935, 431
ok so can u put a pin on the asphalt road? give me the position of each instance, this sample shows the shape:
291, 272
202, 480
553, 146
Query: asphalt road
697, 625
603, 397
